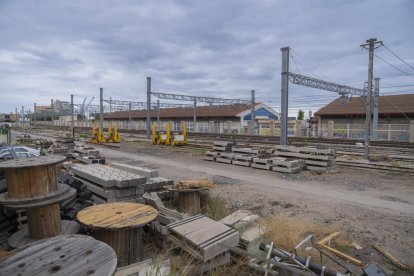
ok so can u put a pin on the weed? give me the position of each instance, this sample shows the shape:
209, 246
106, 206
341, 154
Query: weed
215, 208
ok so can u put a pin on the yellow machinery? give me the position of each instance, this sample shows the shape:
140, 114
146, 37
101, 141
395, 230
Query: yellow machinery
113, 135
180, 138
97, 135
161, 137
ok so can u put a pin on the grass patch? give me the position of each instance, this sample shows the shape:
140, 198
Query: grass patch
287, 232
215, 208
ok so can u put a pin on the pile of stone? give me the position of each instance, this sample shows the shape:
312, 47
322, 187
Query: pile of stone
118, 182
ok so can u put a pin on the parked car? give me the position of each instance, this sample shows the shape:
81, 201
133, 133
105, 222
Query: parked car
17, 152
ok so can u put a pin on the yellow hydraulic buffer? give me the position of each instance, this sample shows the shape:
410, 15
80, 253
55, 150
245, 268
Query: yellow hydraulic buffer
161, 137
113, 135
97, 135
180, 138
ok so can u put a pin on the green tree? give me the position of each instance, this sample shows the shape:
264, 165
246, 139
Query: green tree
301, 115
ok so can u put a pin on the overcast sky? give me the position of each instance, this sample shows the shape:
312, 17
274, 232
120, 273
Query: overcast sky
51, 49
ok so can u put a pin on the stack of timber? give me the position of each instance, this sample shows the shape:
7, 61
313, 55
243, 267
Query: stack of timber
222, 146
319, 160
112, 183
205, 239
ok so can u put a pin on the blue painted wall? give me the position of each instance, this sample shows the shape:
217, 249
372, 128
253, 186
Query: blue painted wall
261, 112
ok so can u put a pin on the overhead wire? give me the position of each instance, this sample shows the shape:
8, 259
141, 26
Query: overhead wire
395, 67
397, 56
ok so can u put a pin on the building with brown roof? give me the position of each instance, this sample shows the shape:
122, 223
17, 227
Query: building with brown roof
237, 115
394, 115
391, 109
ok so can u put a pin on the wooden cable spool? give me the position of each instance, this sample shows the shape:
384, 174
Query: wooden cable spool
189, 199
119, 224
62, 255
32, 185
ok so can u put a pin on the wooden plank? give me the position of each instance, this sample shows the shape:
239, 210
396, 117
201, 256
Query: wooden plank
329, 238
342, 255
389, 257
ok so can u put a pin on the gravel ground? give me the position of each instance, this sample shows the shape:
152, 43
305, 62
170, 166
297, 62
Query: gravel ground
366, 206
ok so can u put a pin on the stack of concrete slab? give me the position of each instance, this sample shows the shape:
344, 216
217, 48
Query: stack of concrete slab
165, 216
65, 142
222, 146
88, 155
264, 163
225, 157
245, 222
203, 238
211, 155
111, 184
320, 160
285, 159
285, 165
243, 159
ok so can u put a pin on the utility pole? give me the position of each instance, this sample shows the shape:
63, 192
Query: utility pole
52, 105
71, 116
110, 104
375, 102
148, 107
195, 111
101, 118
17, 118
284, 97
371, 44
158, 112
34, 113
23, 115
252, 108
129, 113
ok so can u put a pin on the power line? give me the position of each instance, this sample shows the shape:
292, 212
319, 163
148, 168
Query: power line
395, 67
397, 56
393, 86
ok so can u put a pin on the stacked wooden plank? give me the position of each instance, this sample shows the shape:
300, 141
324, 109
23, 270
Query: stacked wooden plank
320, 160
202, 237
222, 146
110, 184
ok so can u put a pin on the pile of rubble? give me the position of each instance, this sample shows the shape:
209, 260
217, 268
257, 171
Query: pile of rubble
286, 159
